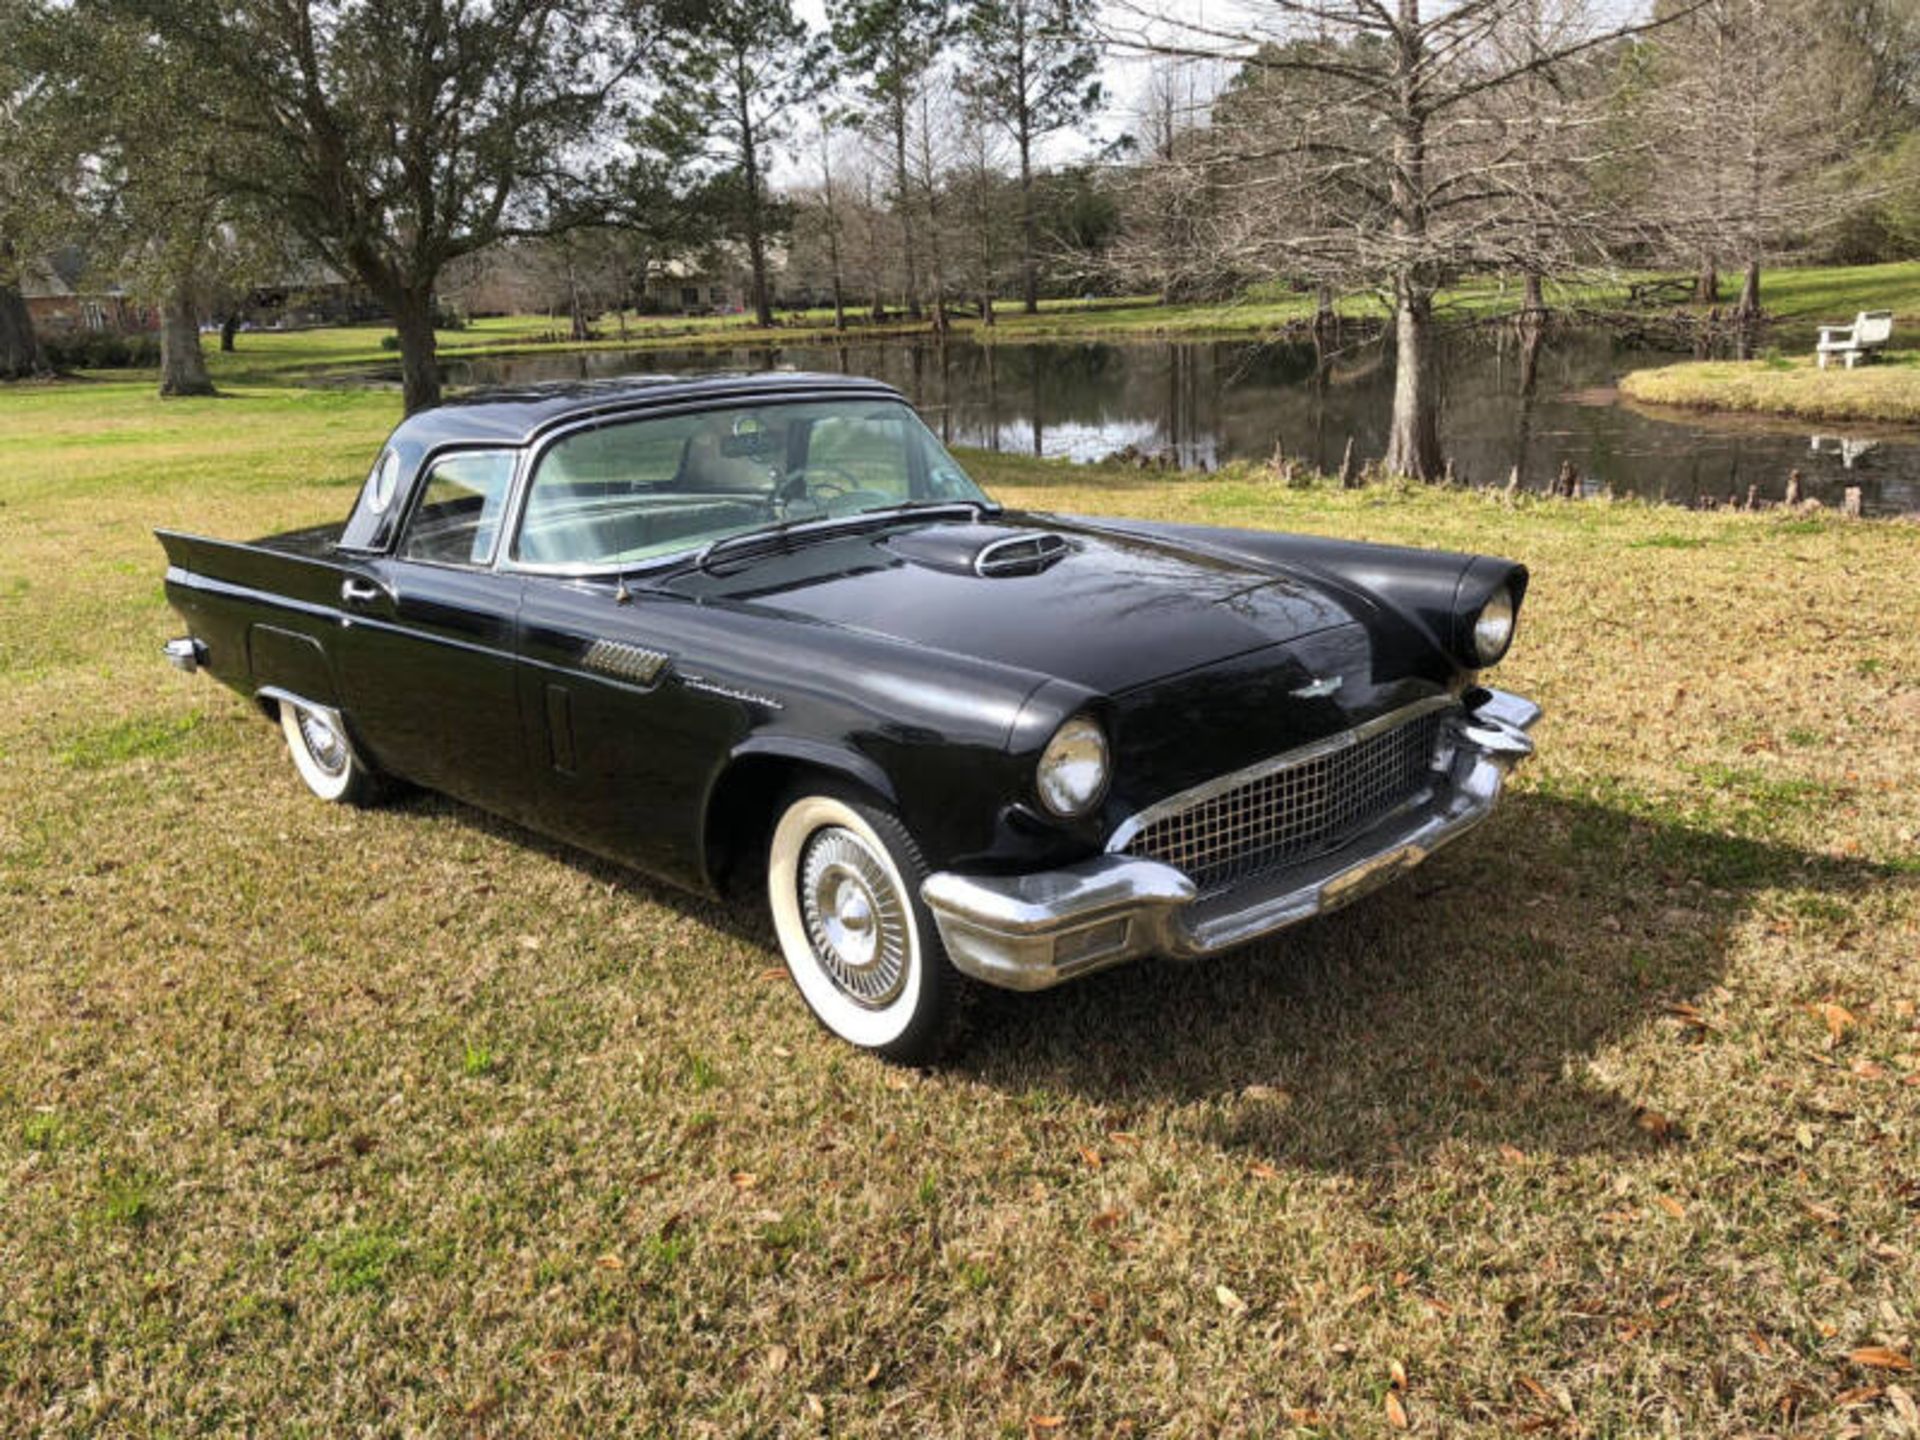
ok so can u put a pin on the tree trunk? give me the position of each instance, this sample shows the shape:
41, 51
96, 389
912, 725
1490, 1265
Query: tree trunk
1413, 441
756, 219
419, 363
1748, 306
229, 328
1706, 286
183, 365
1029, 269
1534, 302
903, 188
20, 355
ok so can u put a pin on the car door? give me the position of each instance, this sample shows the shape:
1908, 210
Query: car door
621, 749
427, 642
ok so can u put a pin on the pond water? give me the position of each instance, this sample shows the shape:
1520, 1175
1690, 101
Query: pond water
1205, 402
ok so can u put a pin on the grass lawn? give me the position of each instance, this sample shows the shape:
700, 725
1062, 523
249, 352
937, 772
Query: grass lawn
1887, 389
318, 1122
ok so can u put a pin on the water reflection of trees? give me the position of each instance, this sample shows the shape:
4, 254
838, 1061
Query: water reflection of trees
1507, 402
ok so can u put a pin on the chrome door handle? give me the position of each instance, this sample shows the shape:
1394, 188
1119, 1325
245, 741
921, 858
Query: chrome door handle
359, 592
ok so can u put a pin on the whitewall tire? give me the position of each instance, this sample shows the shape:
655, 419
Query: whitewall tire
843, 882
324, 756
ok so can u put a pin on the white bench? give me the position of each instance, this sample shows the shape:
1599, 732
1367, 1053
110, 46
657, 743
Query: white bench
1870, 331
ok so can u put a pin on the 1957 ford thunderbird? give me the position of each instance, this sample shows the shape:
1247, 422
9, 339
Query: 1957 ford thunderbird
763, 631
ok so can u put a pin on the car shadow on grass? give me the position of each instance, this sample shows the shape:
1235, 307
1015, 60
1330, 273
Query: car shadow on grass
1458, 1006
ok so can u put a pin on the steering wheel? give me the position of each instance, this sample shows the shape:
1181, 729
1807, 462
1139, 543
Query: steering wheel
837, 483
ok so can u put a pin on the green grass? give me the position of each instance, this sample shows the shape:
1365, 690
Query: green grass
1887, 389
321, 1122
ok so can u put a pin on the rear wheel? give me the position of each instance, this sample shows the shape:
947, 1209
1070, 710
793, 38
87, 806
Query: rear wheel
325, 757
843, 881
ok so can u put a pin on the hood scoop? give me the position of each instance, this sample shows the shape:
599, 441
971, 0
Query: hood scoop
990, 551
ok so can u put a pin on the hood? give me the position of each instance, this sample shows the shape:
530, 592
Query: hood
1103, 610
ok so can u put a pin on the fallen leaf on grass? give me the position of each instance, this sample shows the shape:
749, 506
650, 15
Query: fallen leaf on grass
1045, 1422
1825, 1214
610, 1262
1654, 1124
1105, 1220
744, 1179
1513, 1155
1672, 1206
1091, 1158
1260, 1170
1397, 1413
777, 1356
773, 972
1879, 1357
1397, 1373
1861, 1395
1229, 1301
1838, 1019
1123, 1137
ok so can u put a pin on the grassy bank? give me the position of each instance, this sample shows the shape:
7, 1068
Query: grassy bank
1795, 298
316, 1121
1888, 389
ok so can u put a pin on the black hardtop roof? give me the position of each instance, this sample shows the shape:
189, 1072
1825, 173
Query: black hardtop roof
515, 415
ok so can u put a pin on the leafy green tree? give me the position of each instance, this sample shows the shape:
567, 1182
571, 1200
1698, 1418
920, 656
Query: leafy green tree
395, 136
23, 186
889, 46
742, 67
1032, 70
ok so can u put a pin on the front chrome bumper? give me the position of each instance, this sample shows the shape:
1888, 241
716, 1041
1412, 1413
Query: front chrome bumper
1029, 932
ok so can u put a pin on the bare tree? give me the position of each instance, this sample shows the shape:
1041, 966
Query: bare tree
1371, 151
1749, 102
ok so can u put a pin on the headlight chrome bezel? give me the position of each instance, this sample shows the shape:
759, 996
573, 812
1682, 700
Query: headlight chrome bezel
1084, 734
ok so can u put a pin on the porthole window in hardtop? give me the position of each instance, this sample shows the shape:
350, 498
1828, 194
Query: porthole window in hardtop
457, 519
631, 491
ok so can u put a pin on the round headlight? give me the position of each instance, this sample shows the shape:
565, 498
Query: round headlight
1073, 768
1493, 630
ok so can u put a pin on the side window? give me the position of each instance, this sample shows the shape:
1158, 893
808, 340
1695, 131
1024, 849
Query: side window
458, 518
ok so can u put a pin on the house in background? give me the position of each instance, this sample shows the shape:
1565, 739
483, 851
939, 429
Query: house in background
64, 299
694, 285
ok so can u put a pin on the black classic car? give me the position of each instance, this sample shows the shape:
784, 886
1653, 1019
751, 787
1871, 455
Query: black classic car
762, 631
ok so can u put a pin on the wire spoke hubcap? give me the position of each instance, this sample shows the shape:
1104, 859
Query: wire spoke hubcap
324, 743
855, 917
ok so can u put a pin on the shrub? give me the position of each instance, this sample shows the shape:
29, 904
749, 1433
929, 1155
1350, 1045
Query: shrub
102, 350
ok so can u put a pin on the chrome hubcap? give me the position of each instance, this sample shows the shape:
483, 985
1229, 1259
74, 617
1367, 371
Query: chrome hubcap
324, 743
855, 918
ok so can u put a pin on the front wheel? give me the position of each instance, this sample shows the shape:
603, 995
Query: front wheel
843, 881
324, 757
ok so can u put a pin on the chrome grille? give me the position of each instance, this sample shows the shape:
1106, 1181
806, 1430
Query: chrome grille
1290, 810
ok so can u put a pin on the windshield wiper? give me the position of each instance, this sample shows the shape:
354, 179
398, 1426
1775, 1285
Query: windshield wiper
788, 530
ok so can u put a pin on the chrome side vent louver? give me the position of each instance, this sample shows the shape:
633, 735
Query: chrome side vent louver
1027, 554
625, 662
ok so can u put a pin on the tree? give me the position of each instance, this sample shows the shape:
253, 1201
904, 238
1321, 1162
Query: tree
23, 184
1369, 147
890, 45
1032, 71
395, 136
1750, 102
741, 67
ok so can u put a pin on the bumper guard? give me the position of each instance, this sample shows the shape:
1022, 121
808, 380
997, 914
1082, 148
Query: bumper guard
1029, 932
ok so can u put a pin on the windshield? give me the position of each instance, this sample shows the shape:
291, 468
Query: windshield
630, 491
